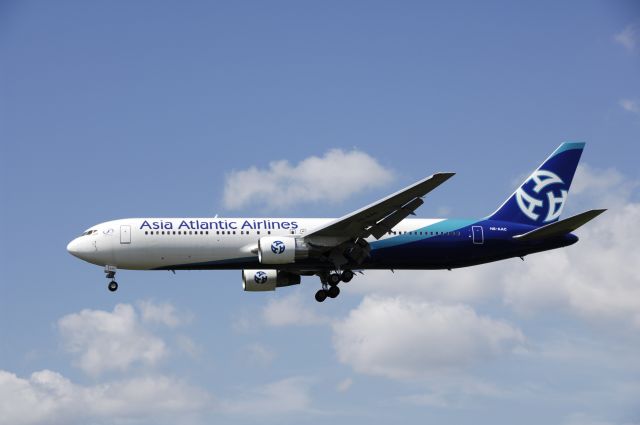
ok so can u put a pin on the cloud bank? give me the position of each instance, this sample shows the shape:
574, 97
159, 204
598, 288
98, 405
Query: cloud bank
331, 178
104, 341
48, 397
402, 338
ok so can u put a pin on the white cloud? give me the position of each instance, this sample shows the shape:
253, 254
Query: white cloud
332, 178
47, 397
292, 309
627, 37
104, 341
115, 340
407, 339
630, 105
286, 396
162, 313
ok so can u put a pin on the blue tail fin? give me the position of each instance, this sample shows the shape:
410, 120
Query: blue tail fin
540, 199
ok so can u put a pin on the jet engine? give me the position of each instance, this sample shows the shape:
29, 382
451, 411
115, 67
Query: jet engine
281, 250
267, 280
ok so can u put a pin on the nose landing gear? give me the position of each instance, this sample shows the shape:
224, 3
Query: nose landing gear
111, 275
113, 286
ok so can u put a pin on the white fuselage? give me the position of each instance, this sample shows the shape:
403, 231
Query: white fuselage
154, 243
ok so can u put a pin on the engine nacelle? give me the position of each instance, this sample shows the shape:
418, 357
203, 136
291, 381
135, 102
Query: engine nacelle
281, 250
267, 280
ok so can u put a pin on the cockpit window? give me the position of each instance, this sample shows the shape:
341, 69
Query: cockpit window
89, 232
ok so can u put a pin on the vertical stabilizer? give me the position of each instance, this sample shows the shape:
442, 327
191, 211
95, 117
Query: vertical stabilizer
540, 199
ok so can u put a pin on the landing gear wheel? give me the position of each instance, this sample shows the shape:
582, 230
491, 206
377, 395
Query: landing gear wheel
333, 291
333, 279
113, 286
321, 295
347, 275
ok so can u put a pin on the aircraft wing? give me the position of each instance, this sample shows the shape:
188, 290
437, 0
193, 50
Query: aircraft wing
561, 227
379, 217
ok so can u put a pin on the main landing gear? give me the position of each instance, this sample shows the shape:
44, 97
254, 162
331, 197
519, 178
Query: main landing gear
111, 275
330, 284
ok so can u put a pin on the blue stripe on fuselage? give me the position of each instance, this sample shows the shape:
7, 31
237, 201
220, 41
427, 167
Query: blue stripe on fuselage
452, 245
431, 231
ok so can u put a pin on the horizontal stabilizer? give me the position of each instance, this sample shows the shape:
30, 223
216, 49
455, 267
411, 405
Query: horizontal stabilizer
561, 227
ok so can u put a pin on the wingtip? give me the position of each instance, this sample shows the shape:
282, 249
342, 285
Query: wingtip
445, 174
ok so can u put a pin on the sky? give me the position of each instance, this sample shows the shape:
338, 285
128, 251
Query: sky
313, 109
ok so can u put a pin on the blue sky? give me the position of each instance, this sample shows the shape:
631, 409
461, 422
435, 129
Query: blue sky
127, 109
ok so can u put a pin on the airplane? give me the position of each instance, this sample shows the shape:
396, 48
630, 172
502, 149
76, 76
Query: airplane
276, 252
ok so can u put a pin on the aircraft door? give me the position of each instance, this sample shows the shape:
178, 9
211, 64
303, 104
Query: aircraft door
478, 235
125, 233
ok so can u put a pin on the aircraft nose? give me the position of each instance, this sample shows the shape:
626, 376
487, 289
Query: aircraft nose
74, 248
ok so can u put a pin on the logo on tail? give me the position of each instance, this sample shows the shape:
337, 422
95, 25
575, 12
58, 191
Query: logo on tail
529, 203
